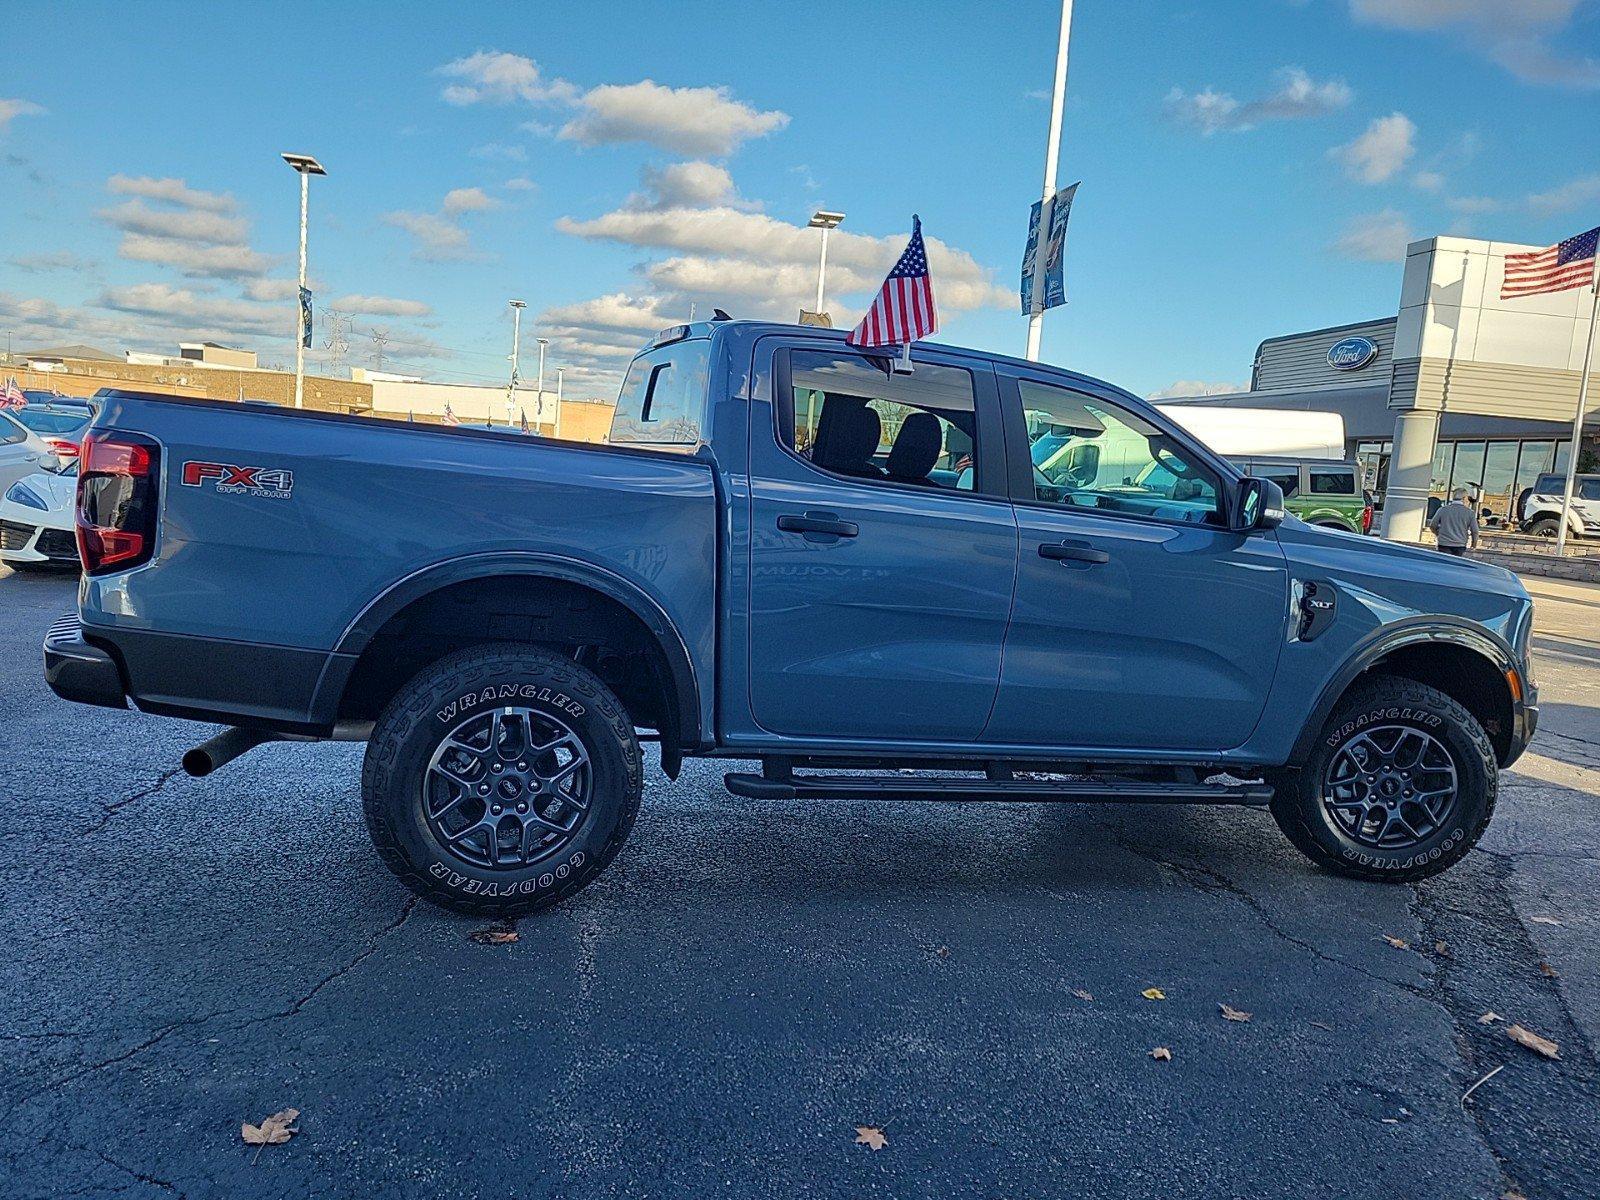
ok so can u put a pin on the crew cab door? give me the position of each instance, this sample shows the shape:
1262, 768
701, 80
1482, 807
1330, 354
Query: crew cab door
882, 547
1141, 621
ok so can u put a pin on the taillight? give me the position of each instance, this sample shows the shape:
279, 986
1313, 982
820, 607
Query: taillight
116, 518
1366, 519
63, 448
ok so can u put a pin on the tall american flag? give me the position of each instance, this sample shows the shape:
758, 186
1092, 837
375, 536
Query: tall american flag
450, 418
11, 395
1568, 264
903, 310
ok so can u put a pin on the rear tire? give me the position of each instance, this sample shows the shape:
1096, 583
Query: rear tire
501, 780
1368, 802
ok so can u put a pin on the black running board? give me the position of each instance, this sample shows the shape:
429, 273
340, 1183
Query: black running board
892, 787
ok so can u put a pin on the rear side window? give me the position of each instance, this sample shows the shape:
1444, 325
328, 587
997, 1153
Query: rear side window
1333, 483
1551, 485
47, 422
1589, 489
10, 432
663, 398
849, 415
1289, 481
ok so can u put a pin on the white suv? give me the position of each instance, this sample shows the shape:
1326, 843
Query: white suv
1541, 506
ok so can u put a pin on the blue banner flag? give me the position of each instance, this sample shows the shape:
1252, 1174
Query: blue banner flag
305, 317
1047, 235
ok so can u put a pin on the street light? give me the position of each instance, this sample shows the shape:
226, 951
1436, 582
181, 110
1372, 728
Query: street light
305, 166
543, 342
516, 348
823, 220
1051, 155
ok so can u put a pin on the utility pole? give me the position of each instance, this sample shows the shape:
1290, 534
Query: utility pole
1051, 154
516, 349
338, 343
543, 342
380, 339
305, 166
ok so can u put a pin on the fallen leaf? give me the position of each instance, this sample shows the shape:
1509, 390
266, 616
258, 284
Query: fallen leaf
1512, 1195
1161, 1054
1391, 1120
1547, 971
1543, 921
942, 952
1153, 993
274, 1131
871, 1135
1442, 949
1489, 1018
1229, 1013
1081, 994
1530, 1039
494, 937
1322, 1025
1397, 943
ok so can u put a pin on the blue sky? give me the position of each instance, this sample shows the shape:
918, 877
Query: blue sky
1249, 167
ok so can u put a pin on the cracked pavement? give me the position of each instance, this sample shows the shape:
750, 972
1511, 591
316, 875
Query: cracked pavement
747, 984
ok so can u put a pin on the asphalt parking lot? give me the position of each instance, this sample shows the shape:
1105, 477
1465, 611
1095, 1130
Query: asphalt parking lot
748, 985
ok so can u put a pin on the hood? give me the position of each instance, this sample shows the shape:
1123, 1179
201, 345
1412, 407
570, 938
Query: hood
59, 492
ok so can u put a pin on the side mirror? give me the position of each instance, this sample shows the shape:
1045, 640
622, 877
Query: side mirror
1258, 504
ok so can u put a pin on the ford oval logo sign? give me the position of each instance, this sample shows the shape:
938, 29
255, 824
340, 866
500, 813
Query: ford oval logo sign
1352, 353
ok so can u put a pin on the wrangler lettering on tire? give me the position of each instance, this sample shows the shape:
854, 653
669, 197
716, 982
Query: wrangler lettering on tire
501, 780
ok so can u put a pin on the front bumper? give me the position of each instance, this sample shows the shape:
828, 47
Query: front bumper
79, 671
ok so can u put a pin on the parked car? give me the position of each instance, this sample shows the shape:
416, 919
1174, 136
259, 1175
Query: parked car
36, 520
1539, 508
22, 451
781, 557
59, 421
1324, 492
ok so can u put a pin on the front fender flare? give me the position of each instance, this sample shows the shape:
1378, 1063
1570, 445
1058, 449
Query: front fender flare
533, 564
1386, 640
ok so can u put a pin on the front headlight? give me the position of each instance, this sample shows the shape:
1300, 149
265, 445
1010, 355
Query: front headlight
24, 495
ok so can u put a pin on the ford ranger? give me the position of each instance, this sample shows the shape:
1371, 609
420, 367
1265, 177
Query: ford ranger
844, 568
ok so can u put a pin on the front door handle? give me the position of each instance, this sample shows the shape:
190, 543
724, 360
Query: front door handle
1065, 552
825, 524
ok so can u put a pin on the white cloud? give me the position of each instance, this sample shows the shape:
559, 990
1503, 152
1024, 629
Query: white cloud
520, 184
185, 224
1381, 151
173, 191
184, 306
11, 109
689, 185
464, 200
1297, 97
196, 260
690, 120
380, 306
1376, 237
1574, 194
275, 289
55, 260
1428, 181
1473, 205
497, 77
436, 238
1520, 35
499, 150
597, 337
1196, 387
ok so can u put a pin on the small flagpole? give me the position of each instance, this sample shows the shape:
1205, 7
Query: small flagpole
1583, 404
905, 359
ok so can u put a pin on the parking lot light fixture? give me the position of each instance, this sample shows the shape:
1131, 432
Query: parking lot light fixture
824, 220
305, 166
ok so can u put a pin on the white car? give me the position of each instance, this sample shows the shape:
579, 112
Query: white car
22, 450
36, 520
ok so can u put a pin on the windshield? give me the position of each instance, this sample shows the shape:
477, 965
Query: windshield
51, 421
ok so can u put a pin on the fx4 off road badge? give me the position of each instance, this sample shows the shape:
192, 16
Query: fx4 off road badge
270, 483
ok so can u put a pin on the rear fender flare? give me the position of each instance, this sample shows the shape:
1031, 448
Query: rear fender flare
403, 592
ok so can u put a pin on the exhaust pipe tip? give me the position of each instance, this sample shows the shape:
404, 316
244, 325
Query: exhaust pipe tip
197, 763
222, 749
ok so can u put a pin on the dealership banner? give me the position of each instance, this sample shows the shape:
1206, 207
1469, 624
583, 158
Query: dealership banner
1050, 221
305, 317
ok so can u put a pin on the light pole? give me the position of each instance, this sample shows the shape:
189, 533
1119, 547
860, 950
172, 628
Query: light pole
305, 166
823, 220
1051, 153
516, 348
543, 342
560, 372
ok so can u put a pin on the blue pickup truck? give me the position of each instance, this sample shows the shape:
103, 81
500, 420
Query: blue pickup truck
800, 555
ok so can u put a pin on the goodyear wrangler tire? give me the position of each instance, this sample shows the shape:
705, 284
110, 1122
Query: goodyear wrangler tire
1401, 785
501, 780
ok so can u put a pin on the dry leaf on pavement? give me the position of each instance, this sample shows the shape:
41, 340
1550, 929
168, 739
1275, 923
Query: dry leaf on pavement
274, 1131
1229, 1013
1489, 1018
1442, 949
1543, 921
1547, 970
494, 937
1153, 993
1081, 994
1530, 1039
1397, 943
1161, 1054
871, 1135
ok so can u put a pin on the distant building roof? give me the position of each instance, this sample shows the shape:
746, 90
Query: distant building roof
72, 351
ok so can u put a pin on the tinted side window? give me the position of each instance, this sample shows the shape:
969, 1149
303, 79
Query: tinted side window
1289, 481
11, 432
1550, 485
663, 397
1089, 453
849, 416
1333, 483
1589, 489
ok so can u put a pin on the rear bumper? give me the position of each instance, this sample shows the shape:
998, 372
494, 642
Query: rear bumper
79, 671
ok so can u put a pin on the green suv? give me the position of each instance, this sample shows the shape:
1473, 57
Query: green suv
1321, 491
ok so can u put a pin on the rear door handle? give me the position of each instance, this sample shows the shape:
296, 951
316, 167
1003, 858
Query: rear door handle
1068, 553
825, 524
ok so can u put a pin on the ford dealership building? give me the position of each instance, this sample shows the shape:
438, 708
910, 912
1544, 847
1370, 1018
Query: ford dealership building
1460, 387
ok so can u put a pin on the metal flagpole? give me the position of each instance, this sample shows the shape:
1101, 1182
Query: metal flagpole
1052, 151
560, 374
516, 348
1577, 417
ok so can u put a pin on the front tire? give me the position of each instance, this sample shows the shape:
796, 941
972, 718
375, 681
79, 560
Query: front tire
1401, 785
501, 780
1545, 527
